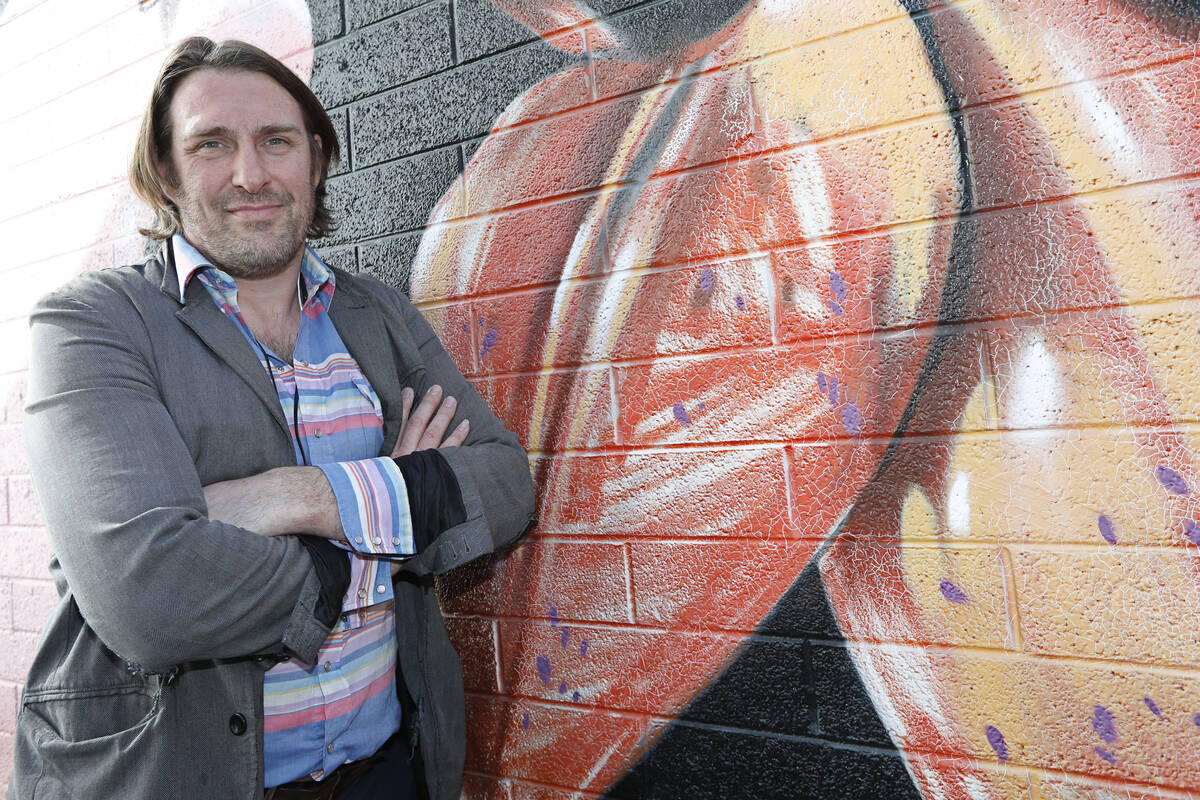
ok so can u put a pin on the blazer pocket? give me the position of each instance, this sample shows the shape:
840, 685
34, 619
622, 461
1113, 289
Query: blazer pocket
76, 716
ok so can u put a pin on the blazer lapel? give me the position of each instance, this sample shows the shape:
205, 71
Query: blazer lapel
222, 337
366, 337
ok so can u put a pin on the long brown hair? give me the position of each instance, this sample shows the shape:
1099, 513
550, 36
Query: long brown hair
153, 145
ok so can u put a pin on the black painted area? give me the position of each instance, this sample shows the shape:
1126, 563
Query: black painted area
789, 718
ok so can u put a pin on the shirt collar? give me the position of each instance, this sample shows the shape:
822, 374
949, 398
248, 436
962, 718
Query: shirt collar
189, 262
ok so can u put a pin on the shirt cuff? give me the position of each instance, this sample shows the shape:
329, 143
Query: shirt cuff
373, 506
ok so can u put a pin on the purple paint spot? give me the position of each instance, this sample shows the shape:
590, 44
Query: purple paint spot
543, 668
836, 308
682, 415
821, 384
1104, 724
1107, 756
553, 616
466, 328
562, 688
996, 740
953, 593
740, 303
1196, 720
1192, 530
566, 632
833, 387
575, 698
852, 419
488, 341
525, 721
1106, 529
583, 646
837, 285
706, 280
1171, 479
700, 406
481, 323
1150, 704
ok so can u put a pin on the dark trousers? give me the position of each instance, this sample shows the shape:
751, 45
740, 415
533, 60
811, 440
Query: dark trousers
393, 776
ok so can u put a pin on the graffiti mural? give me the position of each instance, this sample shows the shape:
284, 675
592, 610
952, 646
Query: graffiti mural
898, 291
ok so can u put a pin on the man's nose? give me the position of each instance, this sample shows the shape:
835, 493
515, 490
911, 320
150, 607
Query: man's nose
249, 171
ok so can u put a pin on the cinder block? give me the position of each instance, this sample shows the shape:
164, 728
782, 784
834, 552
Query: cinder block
13, 460
483, 29
383, 56
551, 411
1122, 605
32, 602
737, 493
9, 697
454, 324
587, 665
844, 709
475, 641
345, 258
23, 508
717, 585
389, 199
452, 106
365, 12
486, 787
572, 581
764, 687
25, 553
6, 606
16, 655
326, 20
390, 260
341, 123
524, 739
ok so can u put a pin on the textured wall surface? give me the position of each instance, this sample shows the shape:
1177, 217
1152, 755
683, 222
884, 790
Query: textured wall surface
855, 344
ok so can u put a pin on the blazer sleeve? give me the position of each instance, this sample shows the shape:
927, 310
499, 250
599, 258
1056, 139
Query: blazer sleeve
159, 582
491, 467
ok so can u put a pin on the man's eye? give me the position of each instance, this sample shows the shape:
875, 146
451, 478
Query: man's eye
276, 141
209, 145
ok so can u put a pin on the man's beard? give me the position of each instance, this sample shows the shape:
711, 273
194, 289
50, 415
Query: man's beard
248, 253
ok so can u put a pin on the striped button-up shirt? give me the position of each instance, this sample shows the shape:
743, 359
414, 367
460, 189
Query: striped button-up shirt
344, 706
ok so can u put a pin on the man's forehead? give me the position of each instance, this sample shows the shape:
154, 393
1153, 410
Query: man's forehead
232, 100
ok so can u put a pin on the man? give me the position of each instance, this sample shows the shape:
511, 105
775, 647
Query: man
189, 418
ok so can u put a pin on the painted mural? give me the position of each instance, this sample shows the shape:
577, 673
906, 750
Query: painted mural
855, 346
901, 291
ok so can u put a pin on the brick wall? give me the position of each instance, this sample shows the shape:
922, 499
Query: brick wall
853, 344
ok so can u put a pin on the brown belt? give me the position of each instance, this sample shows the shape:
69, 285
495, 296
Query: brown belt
327, 788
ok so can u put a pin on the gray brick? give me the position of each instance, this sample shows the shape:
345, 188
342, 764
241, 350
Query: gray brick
483, 29
470, 148
394, 198
383, 56
341, 123
326, 19
341, 257
449, 107
390, 260
658, 28
364, 12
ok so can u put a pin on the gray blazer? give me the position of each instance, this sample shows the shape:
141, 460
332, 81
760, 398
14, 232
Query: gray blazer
148, 679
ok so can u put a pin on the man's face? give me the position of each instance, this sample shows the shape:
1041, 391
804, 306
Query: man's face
244, 169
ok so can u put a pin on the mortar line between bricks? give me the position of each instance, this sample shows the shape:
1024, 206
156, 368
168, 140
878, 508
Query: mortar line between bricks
915, 120
927, 437
348, 31
630, 596
1171, 182
1122, 785
1012, 604
17, 16
741, 636
79, 34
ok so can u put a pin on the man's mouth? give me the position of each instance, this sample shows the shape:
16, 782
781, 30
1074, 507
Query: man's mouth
255, 212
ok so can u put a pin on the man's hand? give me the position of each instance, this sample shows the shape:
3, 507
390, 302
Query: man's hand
426, 427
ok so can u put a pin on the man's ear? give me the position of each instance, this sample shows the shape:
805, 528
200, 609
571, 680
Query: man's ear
318, 156
165, 179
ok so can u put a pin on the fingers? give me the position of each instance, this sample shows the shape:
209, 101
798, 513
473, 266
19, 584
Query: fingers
425, 427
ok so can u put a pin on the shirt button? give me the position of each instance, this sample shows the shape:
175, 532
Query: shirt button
358, 540
237, 724
380, 589
329, 748
362, 594
328, 666
396, 540
378, 540
318, 433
